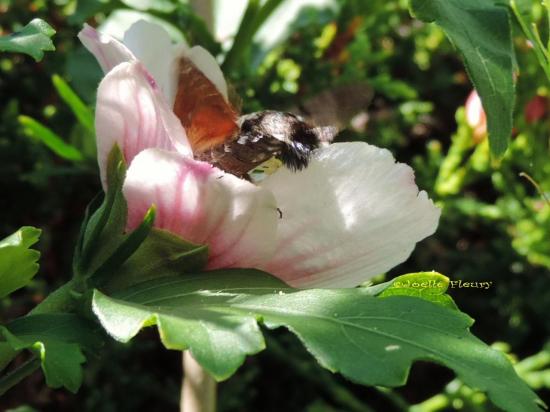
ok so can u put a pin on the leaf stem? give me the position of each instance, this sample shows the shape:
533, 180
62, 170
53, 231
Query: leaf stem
537, 186
205, 10
433, 404
539, 50
60, 300
17, 375
198, 388
243, 37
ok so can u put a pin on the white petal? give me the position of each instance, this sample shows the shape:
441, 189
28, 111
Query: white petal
475, 114
204, 205
108, 51
132, 112
152, 45
207, 64
352, 214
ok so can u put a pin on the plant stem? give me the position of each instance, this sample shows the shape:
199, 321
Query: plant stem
205, 10
538, 48
433, 404
17, 375
253, 18
60, 300
198, 388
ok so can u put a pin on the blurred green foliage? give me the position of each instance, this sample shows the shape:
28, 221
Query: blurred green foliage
494, 227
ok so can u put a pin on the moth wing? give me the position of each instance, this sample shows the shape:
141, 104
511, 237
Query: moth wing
333, 109
206, 115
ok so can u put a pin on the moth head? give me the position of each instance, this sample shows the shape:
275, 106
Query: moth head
289, 137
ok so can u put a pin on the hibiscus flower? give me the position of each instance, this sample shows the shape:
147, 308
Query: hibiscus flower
351, 214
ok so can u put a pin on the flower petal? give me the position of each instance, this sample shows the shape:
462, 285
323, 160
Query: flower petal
207, 64
352, 214
475, 115
108, 51
152, 45
132, 112
204, 205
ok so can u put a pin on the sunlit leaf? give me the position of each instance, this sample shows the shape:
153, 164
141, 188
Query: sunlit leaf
430, 286
82, 112
480, 29
33, 39
18, 263
370, 340
54, 142
59, 341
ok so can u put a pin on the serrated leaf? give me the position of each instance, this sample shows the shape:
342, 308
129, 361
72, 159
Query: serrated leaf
431, 286
218, 339
371, 340
18, 263
58, 340
54, 142
82, 112
480, 29
33, 39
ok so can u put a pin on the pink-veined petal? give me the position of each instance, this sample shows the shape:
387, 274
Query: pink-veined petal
204, 205
132, 112
152, 45
108, 51
352, 214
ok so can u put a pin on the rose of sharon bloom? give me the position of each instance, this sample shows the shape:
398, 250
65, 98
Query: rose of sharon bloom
351, 214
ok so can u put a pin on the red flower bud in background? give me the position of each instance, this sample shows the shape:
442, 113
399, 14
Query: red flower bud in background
536, 109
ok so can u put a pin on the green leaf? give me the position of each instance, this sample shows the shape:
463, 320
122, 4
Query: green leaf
253, 18
116, 259
105, 229
431, 286
218, 338
18, 263
480, 29
33, 39
82, 112
128, 245
58, 340
38, 131
161, 253
370, 340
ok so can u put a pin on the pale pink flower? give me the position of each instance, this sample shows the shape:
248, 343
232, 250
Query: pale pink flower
475, 116
351, 214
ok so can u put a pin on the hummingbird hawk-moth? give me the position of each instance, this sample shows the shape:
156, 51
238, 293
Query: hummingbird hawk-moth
242, 144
